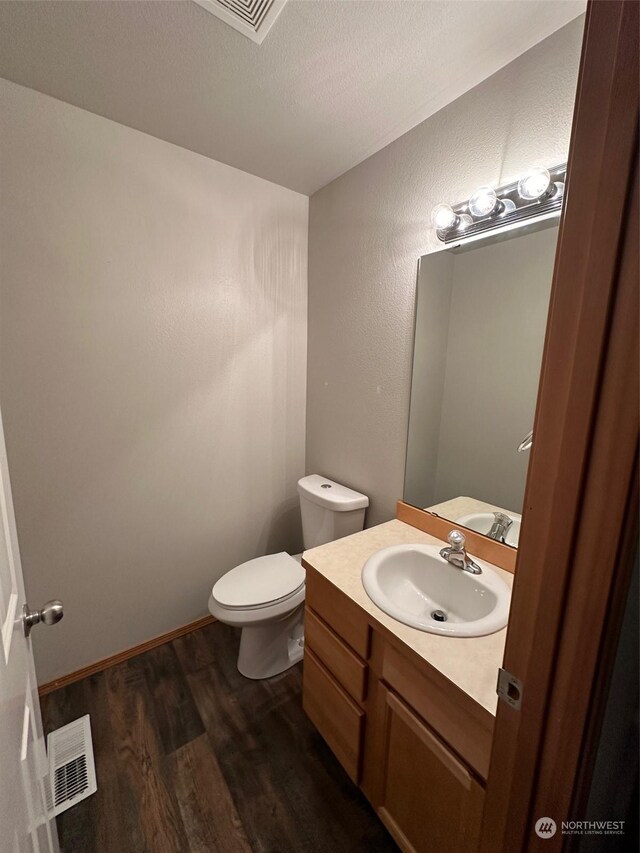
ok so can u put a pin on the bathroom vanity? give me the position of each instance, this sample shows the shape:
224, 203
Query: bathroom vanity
408, 714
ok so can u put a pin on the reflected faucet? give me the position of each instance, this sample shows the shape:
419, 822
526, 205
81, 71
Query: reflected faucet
500, 526
457, 555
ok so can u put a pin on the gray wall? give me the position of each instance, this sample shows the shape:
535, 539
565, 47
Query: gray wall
369, 227
498, 318
153, 368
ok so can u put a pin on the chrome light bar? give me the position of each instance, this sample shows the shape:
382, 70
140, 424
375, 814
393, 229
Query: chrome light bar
539, 192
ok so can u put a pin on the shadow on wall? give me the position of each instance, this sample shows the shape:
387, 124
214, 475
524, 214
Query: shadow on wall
276, 261
283, 531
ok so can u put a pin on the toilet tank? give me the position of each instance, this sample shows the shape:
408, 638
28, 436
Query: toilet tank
329, 510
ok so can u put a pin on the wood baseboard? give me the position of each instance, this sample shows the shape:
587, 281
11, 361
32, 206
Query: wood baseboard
477, 544
105, 663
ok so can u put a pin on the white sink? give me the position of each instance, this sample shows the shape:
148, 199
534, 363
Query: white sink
481, 522
411, 582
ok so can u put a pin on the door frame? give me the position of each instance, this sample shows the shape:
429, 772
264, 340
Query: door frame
579, 530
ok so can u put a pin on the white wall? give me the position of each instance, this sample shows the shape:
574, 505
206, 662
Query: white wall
367, 230
153, 359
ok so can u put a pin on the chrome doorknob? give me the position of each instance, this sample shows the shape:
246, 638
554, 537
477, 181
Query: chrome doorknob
51, 613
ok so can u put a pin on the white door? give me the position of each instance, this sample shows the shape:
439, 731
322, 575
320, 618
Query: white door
24, 821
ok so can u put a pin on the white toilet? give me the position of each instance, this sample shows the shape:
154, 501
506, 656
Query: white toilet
265, 596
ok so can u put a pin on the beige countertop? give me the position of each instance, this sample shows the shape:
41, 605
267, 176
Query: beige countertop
469, 662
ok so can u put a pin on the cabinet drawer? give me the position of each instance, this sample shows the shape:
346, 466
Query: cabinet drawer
333, 713
343, 615
341, 662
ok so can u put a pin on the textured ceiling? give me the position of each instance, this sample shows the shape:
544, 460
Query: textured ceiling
333, 82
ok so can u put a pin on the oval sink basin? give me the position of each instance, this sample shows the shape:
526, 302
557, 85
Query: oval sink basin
481, 522
416, 586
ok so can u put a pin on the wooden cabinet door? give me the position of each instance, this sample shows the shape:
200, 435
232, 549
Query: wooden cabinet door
428, 800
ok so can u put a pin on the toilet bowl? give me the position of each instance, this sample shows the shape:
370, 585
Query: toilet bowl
265, 596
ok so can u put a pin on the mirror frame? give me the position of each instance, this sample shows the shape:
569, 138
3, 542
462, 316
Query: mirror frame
479, 545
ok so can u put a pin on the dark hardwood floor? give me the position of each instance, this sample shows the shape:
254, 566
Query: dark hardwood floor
193, 758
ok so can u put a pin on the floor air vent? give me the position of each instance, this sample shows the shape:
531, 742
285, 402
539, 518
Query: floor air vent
72, 771
252, 18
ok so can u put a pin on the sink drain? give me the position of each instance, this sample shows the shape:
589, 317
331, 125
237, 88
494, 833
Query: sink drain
439, 616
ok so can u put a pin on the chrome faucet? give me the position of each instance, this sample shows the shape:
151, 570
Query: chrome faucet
457, 555
500, 526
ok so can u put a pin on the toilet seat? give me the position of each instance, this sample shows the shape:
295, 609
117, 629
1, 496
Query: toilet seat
259, 583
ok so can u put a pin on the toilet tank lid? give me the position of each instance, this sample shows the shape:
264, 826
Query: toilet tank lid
331, 495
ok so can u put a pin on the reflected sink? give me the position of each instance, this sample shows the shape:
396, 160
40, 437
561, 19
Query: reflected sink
413, 582
481, 522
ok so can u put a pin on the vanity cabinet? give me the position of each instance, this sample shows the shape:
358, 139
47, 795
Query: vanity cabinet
429, 800
417, 753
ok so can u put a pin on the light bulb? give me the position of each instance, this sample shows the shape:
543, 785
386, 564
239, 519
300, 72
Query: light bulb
483, 202
534, 184
443, 217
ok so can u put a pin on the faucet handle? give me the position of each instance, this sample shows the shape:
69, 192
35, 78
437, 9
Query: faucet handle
503, 518
456, 539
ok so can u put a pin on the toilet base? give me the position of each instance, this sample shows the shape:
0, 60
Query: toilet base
272, 647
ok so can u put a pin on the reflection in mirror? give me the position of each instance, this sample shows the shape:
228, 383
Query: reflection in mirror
481, 313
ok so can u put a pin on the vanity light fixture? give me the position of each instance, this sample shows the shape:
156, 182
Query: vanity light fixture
538, 192
535, 184
485, 202
443, 218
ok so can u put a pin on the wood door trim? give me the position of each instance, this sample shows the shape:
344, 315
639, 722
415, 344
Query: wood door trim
119, 657
477, 544
583, 377
596, 596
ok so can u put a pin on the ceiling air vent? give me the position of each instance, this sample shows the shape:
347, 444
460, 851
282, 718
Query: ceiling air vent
252, 18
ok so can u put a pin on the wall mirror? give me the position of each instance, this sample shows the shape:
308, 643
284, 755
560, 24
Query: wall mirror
481, 314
